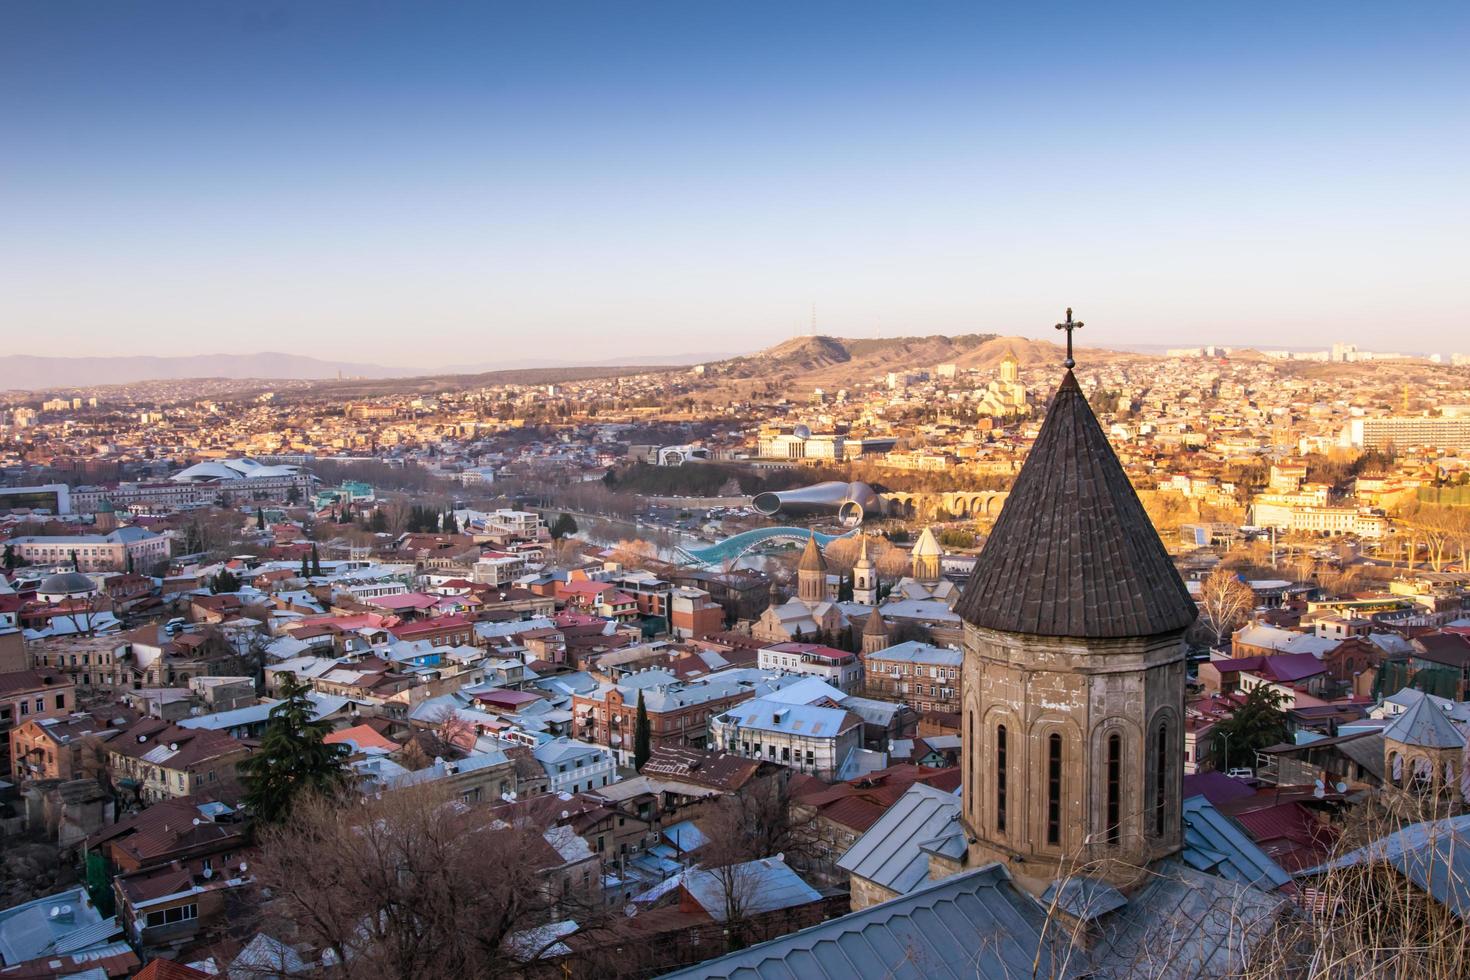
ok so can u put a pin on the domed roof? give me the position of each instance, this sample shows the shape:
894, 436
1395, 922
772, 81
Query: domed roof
66, 583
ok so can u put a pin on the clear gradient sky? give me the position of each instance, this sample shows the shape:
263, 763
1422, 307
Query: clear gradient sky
415, 182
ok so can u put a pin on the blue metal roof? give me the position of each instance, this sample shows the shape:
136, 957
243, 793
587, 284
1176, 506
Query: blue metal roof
1434, 855
967, 926
891, 853
1214, 842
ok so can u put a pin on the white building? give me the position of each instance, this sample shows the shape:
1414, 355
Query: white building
810, 739
575, 767
839, 668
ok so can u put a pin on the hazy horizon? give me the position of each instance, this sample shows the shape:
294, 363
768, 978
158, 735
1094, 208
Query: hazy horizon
428, 183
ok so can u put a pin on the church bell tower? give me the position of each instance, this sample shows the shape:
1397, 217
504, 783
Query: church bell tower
1074, 667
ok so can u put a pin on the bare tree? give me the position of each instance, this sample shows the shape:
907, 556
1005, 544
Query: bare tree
414, 885
1224, 603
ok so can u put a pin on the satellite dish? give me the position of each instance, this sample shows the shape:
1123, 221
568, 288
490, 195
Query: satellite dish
197, 821
243, 866
1319, 790
208, 873
1342, 787
630, 910
565, 814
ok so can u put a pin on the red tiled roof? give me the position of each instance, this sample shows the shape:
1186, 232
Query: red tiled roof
161, 969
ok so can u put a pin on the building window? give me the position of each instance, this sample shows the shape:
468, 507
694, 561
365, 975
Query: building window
1115, 786
181, 913
1054, 789
1000, 779
1161, 780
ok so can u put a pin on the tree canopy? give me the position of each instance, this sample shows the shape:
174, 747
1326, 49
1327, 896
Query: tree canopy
293, 758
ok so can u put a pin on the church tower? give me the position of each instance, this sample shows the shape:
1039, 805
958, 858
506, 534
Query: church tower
864, 577
1010, 367
1074, 667
926, 557
875, 633
811, 574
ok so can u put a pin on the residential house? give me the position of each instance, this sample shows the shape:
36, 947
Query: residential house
841, 669
160, 760
814, 740
923, 676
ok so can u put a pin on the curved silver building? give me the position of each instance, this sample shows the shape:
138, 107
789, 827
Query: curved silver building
849, 501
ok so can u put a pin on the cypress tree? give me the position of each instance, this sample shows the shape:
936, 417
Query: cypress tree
305, 568
642, 736
293, 757
259, 519
316, 561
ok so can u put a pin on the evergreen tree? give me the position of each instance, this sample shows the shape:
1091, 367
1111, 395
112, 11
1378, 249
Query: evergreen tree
305, 567
316, 561
293, 757
844, 588
379, 522
293, 496
11, 559
224, 581
642, 736
563, 527
1257, 723
259, 519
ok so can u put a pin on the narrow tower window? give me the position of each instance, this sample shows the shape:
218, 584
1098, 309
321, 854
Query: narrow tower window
1115, 785
1054, 789
1000, 779
1161, 782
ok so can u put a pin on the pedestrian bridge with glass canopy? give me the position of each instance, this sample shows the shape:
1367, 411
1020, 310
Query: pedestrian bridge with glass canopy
734, 547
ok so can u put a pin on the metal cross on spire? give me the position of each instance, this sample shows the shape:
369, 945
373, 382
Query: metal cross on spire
1069, 326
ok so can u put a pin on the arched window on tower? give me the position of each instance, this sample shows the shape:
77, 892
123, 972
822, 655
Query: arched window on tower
1000, 779
1115, 787
1054, 789
1161, 778
970, 744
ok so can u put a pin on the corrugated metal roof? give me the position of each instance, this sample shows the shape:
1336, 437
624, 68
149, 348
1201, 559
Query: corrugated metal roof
1214, 842
967, 926
890, 853
1424, 724
1434, 855
764, 885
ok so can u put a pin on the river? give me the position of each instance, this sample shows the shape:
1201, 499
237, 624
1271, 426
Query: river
608, 531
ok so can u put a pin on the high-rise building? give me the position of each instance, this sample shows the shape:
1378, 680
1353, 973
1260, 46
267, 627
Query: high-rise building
1405, 432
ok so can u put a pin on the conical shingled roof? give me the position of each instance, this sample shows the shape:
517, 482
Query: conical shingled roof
811, 557
875, 625
1073, 553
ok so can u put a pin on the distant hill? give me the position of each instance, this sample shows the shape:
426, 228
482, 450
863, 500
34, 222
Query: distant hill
31, 373
829, 362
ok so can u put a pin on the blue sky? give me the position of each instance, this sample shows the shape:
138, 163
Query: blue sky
423, 182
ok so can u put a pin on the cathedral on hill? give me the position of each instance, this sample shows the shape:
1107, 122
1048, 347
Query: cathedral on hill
1005, 396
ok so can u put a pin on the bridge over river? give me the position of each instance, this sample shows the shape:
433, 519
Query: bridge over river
737, 545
